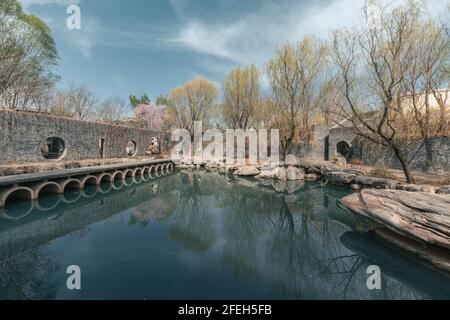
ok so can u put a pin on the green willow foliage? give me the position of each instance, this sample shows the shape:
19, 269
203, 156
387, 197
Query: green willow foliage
28, 57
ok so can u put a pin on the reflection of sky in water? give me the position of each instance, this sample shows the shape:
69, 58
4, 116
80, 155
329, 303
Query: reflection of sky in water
202, 237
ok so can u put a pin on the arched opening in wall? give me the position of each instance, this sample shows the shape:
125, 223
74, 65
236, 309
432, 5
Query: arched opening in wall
131, 148
154, 147
344, 149
53, 148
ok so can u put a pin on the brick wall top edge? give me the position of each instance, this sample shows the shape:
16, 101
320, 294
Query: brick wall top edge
17, 113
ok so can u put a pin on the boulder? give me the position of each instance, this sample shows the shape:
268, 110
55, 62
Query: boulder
443, 190
247, 171
312, 169
428, 189
212, 166
279, 173
185, 166
291, 160
341, 177
265, 175
311, 177
375, 183
293, 174
422, 216
355, 187
408, 187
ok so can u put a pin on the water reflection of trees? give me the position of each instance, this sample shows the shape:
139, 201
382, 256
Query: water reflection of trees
159, 207
191, 223
291, 240
243, 223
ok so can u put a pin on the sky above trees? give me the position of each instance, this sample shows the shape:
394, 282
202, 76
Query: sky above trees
135, 47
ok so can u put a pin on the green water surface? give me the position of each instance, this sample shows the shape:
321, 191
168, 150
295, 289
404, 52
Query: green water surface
202, 236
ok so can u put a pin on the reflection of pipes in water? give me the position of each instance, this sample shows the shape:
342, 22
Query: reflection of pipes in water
90, 191
71, 196
105, 187
128, 181
118, 184
48, 203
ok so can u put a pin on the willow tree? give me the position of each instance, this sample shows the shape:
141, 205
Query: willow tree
426, 99
294, 74
376, 67
28, 56
241, 96
192, 102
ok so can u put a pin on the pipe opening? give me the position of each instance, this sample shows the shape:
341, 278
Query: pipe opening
18, 203
49, 190
105, 178
72, 185
48, 202
118, 175
128, 173
90, 181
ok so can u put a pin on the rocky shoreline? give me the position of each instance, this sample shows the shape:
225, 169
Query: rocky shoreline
414, 218
302, 170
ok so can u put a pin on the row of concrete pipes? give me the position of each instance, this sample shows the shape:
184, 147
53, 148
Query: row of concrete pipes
110, 180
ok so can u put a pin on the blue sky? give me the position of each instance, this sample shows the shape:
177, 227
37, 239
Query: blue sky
130, 47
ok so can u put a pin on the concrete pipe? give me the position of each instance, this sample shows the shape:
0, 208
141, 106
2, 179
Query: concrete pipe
69, 184
146, 173
152, 172
16, 202
41, 189
118, 175
88, 180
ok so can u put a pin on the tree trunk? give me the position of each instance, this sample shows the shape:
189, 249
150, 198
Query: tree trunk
429, 153
405, 165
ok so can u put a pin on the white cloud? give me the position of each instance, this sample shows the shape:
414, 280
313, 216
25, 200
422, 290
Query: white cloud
95, 34
254, 36
29, 3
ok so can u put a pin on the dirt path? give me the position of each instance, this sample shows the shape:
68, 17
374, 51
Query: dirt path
420, 177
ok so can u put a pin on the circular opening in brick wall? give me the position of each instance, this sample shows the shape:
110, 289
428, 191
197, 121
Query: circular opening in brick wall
53, 148
131, 148
344, 149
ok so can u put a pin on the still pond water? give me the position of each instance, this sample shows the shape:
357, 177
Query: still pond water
202, 236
